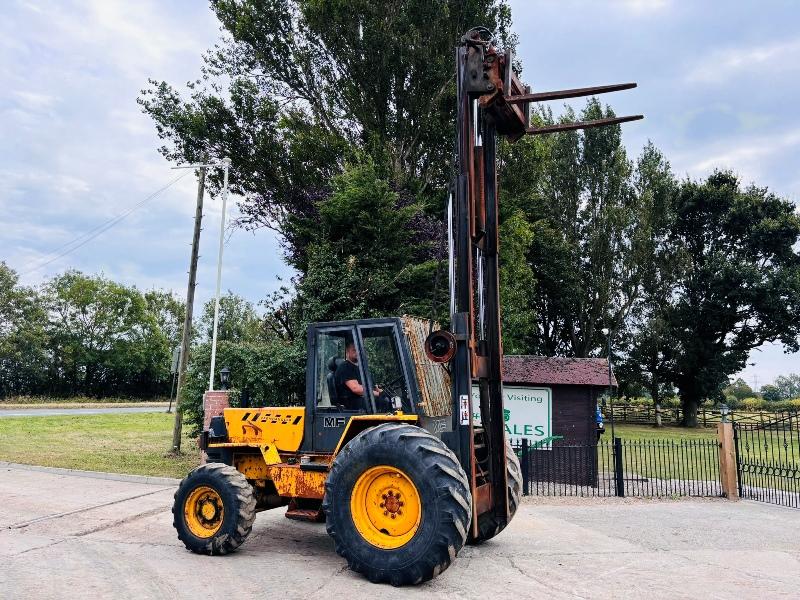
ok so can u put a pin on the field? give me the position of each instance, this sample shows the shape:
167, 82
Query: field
116, 443
646, 432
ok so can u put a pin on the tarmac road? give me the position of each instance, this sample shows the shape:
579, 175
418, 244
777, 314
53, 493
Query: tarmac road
69, 536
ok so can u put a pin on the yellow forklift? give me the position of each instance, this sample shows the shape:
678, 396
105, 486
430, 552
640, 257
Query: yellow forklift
402, 475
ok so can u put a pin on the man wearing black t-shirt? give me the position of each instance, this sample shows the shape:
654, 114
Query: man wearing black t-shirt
348, 381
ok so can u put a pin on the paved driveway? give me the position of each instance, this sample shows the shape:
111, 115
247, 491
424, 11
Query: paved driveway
71, 536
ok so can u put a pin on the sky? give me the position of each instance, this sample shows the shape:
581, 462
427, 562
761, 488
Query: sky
718, 85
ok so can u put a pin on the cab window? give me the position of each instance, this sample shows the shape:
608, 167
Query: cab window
385, 366
330, 355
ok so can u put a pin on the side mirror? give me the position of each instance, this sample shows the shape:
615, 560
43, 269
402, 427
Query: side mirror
440, 346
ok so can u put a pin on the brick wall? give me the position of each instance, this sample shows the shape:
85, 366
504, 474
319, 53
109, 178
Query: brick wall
213, 404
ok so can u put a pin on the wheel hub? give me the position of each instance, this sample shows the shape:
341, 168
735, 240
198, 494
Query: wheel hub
385, 506
203, 511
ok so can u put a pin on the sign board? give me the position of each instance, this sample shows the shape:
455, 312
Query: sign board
527, 411
176, 359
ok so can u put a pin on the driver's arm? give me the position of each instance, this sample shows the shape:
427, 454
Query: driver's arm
355, 387
358, 389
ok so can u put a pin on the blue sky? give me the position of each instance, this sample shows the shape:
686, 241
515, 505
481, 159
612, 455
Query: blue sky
719, 83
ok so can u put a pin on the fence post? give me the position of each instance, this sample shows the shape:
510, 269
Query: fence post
619, 482
526, 465
727, 461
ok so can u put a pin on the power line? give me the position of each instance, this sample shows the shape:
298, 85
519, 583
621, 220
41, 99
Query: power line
91, 234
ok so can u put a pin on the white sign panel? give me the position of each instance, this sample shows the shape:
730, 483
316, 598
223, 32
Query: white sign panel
527, 413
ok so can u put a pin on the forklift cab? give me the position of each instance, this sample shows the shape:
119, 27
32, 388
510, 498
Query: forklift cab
383, 368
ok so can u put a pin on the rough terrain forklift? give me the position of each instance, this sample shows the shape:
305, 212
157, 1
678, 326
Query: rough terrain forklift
405, 476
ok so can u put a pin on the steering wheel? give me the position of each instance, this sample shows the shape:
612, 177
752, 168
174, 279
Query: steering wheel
389, 389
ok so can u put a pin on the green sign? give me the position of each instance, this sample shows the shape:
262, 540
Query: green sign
527, 413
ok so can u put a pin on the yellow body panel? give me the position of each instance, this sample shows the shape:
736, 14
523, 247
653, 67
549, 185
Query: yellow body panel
279, 431
280, 427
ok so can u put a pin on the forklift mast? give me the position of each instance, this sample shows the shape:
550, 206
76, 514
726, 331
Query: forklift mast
491, 101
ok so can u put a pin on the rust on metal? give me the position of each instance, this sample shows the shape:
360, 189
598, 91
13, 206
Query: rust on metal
581, 125
433, 379
252, 466
573, 93
483, 498
293, 482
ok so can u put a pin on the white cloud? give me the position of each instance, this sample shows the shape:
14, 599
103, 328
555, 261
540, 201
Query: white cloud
642, 7
749, 156
723, 64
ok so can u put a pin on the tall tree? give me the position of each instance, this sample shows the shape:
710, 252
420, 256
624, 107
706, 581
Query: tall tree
575, 190
738, 284
647, 359
311, 83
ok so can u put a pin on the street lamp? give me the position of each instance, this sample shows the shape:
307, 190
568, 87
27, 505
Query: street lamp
225, 377
607, 332
724, 411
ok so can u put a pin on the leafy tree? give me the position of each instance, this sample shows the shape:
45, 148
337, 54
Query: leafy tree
738, 284
23, 339
788, 386
771, 393
589, 251
168, 312
238, 320
363, 261
739, 390
296, 88
102, 338
516, 286
648, 348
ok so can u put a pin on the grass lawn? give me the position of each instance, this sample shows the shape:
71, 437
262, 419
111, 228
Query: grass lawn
116, 443
646, 432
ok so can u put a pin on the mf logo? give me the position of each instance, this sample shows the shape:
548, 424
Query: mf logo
334, 421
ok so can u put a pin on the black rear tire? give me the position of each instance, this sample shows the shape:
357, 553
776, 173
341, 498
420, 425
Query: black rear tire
488, 525
444, 498
238, 508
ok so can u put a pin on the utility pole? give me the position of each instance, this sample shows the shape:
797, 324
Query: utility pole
187, 321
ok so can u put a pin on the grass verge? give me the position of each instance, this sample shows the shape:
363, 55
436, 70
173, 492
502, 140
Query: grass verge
134, 443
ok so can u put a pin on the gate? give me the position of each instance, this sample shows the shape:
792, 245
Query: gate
768, 460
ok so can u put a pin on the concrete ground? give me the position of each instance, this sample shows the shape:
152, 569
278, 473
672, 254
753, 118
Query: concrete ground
64, 536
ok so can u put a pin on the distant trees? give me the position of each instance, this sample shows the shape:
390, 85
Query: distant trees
85, 335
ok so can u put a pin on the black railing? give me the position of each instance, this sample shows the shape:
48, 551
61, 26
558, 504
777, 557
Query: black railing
768, 460
622, 468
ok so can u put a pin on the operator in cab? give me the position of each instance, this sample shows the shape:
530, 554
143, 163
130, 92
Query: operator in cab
348, 381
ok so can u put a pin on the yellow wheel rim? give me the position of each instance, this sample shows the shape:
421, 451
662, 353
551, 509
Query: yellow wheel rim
385, 506
203, 511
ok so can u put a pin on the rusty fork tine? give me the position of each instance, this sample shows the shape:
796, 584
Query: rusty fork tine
573, 93
581, 125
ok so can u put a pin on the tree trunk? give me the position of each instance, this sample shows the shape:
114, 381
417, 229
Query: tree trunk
657, 403
690, 406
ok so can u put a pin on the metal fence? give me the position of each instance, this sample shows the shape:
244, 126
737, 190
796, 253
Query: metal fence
622, 468
768, 460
